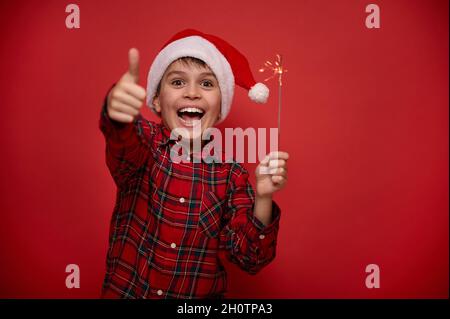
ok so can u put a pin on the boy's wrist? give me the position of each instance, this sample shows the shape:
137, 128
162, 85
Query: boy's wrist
263, 197
263, 209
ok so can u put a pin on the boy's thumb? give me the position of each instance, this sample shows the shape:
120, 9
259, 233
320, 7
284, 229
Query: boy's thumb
133, 64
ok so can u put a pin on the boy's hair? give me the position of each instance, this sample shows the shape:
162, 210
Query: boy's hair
188, 61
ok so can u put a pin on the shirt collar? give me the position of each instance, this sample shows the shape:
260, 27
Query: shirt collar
165, 140
165, 135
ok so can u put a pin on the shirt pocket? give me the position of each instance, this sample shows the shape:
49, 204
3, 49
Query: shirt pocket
210, 217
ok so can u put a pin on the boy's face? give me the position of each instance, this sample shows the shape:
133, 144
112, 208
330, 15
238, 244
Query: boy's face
189, 94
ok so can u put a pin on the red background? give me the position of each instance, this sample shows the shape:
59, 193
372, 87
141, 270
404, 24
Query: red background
365, 120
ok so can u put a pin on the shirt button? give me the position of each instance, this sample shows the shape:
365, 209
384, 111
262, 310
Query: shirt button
159, 292
173, 245
182, 200
262, 236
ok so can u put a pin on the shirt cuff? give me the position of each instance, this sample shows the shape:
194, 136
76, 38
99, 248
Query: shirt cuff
263, 237
276, 213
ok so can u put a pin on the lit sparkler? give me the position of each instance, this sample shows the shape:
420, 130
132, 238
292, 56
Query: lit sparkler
278, 70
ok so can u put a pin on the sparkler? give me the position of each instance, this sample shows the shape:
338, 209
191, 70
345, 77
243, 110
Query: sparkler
277, 68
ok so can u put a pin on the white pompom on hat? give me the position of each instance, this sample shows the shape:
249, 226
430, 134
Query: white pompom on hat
228, 64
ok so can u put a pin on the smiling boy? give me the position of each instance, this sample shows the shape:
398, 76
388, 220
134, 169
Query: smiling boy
189, 92
174, 223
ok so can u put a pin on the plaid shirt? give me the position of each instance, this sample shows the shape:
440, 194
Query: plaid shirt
173, 223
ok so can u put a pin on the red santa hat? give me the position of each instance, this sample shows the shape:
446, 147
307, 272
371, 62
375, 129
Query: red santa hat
228, 64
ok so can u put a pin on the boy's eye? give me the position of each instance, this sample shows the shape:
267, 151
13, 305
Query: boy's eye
177, 82
207, 83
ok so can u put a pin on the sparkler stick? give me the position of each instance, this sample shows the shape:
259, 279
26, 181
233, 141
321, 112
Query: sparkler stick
277, 68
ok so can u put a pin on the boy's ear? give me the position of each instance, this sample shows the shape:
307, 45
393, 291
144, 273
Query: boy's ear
156, 104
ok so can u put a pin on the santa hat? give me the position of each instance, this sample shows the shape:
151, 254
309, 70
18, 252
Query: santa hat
228, 64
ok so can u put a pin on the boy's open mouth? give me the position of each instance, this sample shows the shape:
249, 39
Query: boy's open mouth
190, 114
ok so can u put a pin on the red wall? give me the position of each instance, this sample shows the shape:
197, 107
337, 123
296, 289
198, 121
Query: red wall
365, 120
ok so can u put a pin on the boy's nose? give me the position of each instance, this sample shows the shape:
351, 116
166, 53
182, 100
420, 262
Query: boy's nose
192, 92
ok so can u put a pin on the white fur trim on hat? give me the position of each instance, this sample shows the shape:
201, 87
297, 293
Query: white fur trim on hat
259, 93
200, 48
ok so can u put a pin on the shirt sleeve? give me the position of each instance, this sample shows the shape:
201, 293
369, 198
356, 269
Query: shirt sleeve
127, 144
245, 240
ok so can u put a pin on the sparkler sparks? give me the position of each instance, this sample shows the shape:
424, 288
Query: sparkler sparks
277, 68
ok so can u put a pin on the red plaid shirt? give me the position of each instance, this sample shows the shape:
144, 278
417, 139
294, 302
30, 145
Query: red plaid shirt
173, 223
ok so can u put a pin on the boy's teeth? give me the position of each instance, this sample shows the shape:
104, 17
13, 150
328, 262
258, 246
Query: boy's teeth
191, 109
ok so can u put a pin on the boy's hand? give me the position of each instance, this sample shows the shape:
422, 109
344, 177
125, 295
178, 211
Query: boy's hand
126, 98
271, 174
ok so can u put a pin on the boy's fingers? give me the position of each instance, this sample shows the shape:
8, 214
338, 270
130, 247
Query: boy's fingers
135, 90
278, 171
123, 108
277, 163
120, 117
278, 155
128, 99
263, 170
133, 64
267, 164
265, 161
279, 180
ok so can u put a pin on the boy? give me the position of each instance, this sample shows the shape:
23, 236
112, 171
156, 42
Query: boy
173, 223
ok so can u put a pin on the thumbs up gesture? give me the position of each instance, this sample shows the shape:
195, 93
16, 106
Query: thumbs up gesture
126, 98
